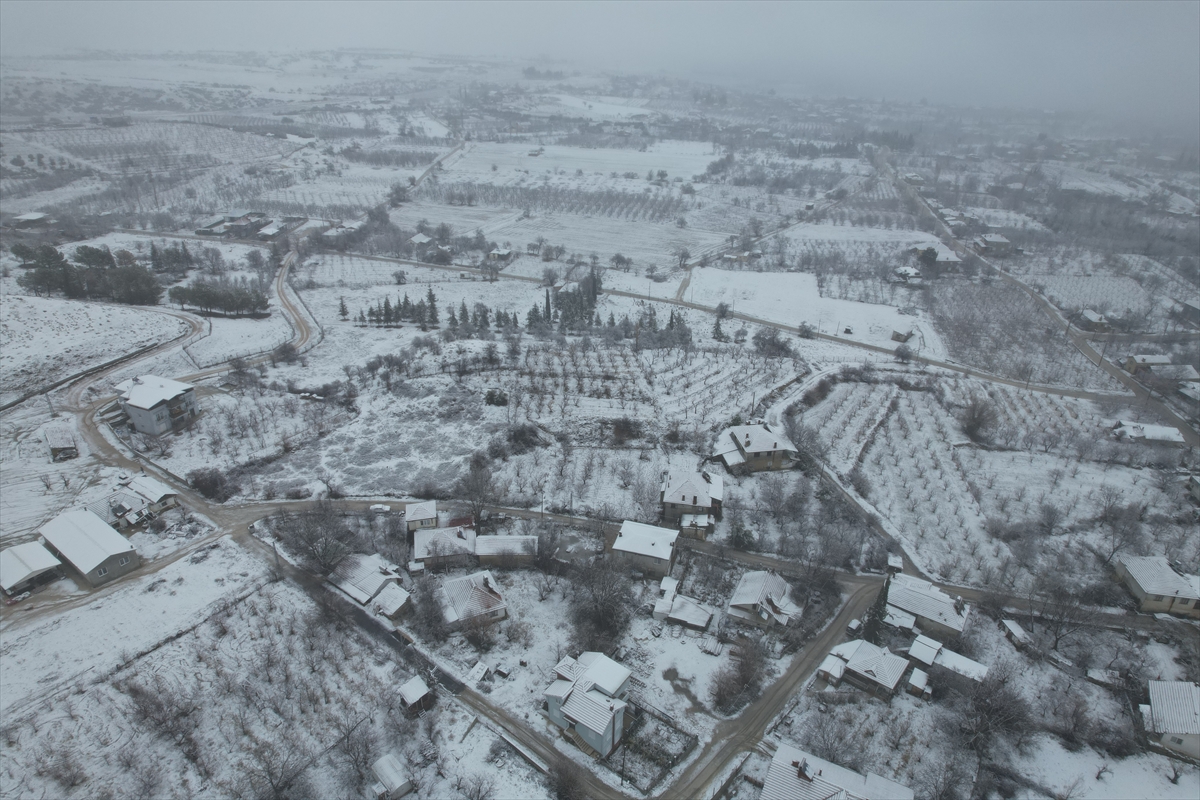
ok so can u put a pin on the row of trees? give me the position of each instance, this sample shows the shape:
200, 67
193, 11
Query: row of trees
96, 275
230, 296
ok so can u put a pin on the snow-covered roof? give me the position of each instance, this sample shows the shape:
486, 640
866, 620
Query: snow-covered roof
24, 562
692, 488
687, 611
363, 576
1014, 628
899, 619
421, 511
560, 689
390, 772
945, 255
84, 539
591, 708
832, 666
697, 520
152, 489
603, 672
758, 439
797, 775
412, 690
764, 593
995, 238
147, 391
506, 545
1176, 372
1155, 576
59, 437
1150, 433
1093, 316
391, 599
645, 540
924, 650
30, 216
442, 542
420, 238
120, 505
1175, 707
925, 601
919, 679
1151, 360
471, 596
960, 664
877, 664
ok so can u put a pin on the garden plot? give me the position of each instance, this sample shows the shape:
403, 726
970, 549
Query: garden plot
793, 298
514, 163
284, 687
44, 339
596, 107
828, 237
346, 195
848, 418
1108, 294
463, 220
246, 336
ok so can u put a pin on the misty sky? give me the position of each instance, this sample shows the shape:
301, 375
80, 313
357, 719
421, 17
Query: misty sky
1125, 59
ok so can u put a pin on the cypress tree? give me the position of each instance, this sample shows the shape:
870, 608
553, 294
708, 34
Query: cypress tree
431, 312
876, 614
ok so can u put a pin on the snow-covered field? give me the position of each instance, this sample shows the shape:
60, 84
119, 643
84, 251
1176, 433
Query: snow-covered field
229, 338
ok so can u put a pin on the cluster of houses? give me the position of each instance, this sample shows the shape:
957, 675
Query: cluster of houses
1162, 371
248, 224
155, 405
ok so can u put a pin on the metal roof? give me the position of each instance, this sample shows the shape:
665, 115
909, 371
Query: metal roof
363, 576
24, 562
645, 540
924, 600
441, 542
1155, 576
147, 391
1175, 707
84, 539
823, 780
591, 708
471, 596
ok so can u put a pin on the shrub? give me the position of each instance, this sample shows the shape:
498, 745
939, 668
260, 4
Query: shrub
213, 484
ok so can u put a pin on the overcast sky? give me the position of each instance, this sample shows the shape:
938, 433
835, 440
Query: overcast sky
1137, 59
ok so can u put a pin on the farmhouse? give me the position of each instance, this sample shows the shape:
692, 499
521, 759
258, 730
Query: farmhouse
1135, 364
93, 548
157, 494
645, 548
363, 577
506, 550
873, 669
694, 494
763, 599
500, 254
932, 609
25, 566
422, 515
754, 448
157, 405
472, 597
1157, 587
588, 701
797, 775
61, 442
444, 548
1173, 716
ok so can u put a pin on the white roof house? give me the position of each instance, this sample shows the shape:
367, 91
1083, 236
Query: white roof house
393, 780
763, 598
442, 543
692, 488
472, 596
875, 667
930, 651
675, 607
1137, 431
363, 577
930, 605
420, 238
797, 775
1155, 576
152, 489
413, 690
391, 600
84, 539
1174, 715
645, 540
147, 391
945, 255
24, 562
590, 692
519, 545
742, 443
421, 512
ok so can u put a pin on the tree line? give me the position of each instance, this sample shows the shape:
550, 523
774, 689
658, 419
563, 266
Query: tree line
97, 274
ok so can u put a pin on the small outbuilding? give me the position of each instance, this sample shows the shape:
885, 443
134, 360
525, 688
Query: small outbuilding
363, 576
61, 442
25, 566
1173, 716
392, 601
392, 781
415, 695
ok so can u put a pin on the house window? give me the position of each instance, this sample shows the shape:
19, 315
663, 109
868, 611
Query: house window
1176, 740
101, 572
124, 560
1157, 598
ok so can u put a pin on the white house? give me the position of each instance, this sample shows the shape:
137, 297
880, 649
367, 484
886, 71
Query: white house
22, 565
646, 548
421, 515
933, 610
754, 448
588, 701
873, 669
89, 545
1159, 588
121, 509
797, 775
437, 548
157, 405
157, 494
763, 599
363, 577
1173, 716
472, 597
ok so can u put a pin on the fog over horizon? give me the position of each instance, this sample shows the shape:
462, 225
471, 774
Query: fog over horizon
1133, 63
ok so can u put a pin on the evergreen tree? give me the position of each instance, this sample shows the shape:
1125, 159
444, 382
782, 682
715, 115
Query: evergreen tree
463, 314
387, 311
431, 312
717, 333
343, 312
873, 624
406, 308
546, 315
155, 259
534, 319
452, 319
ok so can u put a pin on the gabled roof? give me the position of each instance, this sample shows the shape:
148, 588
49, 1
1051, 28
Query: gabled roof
1151, 433
24, 562
1155, 576
442, 542
877, 664
84, 539
471, 596
147, 391
363, 576
645, 540
390, 772
761, 592
687, 611
152, 489
505, 545
924, 650
413, 690
824, 780
681, 487
925, 601
591, 708
420, 238
758, 439
1151, 360
391, 599
604, 673
120, 505
1175, 707
421, 511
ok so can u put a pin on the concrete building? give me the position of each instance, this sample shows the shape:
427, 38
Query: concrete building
588, 701
645, 548
1173, 716
89, 545
158, 405
797, 775
1157, 587
695, 495
754, 448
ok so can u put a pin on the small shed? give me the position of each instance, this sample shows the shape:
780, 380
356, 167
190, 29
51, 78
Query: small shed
392, 601
918, 684
392, 780
415, 695
1015, 634
24, 566
61, 443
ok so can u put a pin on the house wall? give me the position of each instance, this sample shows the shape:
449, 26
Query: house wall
554, 709
1158, 604
765, 461
414, 524
506, 560
603, 742
649, 565
937, 630
673, 511
114, 567
152, 421
856, 680
1188, 744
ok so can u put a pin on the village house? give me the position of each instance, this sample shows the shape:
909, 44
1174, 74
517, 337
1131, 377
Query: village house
415, 695
863, 665
1136, 364
695, 495
945, 666
674, 607
1126, 430
391, 779
84, 541
472, 598
645, 548
1184, 373
500, 254
421, 515
26, 566
934, 611
1173, 717
158, 496
506, 551
763, 599
157, 405
391, 602
1093, 321
121, 509
588, 701
1157, 587
444, 548
797, 775
993, 244
363, 576
754, 448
